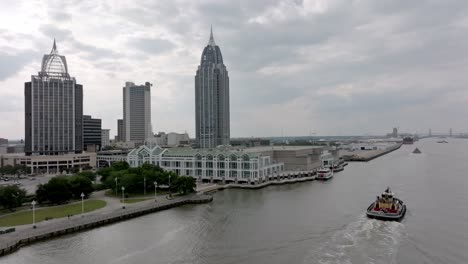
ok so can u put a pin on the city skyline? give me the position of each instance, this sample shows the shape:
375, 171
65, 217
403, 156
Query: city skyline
377, 67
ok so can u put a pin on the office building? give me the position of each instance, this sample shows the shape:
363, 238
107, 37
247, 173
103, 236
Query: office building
212, 98
119, 136
3, 141
91, 133
105, 138
53, 109
137, 112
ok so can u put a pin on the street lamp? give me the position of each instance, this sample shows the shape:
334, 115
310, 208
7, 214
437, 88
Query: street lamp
116, 186
144, 186
33, 203
155, 186
169, 185
82, 203
123, 197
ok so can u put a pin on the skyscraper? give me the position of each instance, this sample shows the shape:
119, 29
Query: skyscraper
53, 109
137, 112
212, 98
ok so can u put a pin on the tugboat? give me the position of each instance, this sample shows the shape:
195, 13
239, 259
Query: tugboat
416, 151
324, 174
387, 207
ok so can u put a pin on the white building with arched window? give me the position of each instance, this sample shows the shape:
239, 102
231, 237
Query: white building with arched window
214, 165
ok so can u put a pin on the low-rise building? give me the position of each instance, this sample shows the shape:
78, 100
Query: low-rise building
214, 165
3, 141
11, 148
105, 158
48, 163
294, 158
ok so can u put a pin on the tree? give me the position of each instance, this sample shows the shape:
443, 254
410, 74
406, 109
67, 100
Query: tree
80, 184
41, 193
120, 165
88, 174
11, 196
58, 190
184, 184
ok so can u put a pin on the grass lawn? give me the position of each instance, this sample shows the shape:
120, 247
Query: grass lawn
25, 217
135, 200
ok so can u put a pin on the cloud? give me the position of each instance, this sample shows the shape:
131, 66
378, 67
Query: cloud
338, 67
150, 45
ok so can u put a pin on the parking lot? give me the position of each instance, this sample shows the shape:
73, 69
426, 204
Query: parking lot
27, 182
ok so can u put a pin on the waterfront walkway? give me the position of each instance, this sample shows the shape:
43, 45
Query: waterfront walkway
27, 234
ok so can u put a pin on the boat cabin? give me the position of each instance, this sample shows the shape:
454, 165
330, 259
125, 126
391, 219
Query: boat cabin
386, 202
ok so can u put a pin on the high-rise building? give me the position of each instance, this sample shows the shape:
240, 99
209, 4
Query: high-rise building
91, 133
120, 136
212, 98
395, 132
105, 138
137, 112
53, 109
450, 132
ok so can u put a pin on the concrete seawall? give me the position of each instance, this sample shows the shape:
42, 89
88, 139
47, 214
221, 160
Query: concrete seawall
215, 188
13, 243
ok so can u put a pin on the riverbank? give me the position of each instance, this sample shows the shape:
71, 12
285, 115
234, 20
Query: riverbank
368, 155
15, 240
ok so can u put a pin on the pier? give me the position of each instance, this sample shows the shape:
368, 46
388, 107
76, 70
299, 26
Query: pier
13, 241
367, 155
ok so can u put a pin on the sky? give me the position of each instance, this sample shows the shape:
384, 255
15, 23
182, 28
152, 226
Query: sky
337, 67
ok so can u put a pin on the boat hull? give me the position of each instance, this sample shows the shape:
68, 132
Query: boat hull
380, 215
324, 178
339, 168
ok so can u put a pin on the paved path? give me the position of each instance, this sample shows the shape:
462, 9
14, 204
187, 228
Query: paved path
113, 204
90, 220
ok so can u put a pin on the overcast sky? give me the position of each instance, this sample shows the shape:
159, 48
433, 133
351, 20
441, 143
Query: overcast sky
296, 67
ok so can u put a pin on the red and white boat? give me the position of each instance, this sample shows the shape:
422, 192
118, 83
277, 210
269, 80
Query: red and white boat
324, 174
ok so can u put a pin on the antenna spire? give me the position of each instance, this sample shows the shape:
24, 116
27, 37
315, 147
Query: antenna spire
211, 42
54, 48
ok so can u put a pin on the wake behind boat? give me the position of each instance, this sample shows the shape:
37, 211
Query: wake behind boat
387, 207
324, 174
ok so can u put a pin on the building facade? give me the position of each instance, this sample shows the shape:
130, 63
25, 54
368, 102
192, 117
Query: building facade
119, 136
3, 141
105, 138
215, 165
53, 109
137, 112
91, 133
212, 116
50, 164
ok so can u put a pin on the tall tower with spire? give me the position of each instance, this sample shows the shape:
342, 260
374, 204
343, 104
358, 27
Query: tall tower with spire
53, 109
212, 98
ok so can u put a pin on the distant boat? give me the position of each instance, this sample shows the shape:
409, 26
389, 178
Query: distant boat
416, 151
408, 140
442, 141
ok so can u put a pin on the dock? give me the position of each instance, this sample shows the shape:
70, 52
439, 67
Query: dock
367, 155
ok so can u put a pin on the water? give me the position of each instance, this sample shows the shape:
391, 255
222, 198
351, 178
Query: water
314, 222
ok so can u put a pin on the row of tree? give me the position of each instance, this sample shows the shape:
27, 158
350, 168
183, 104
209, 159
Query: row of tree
11, 196
14, 170
61, 189
133, 179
